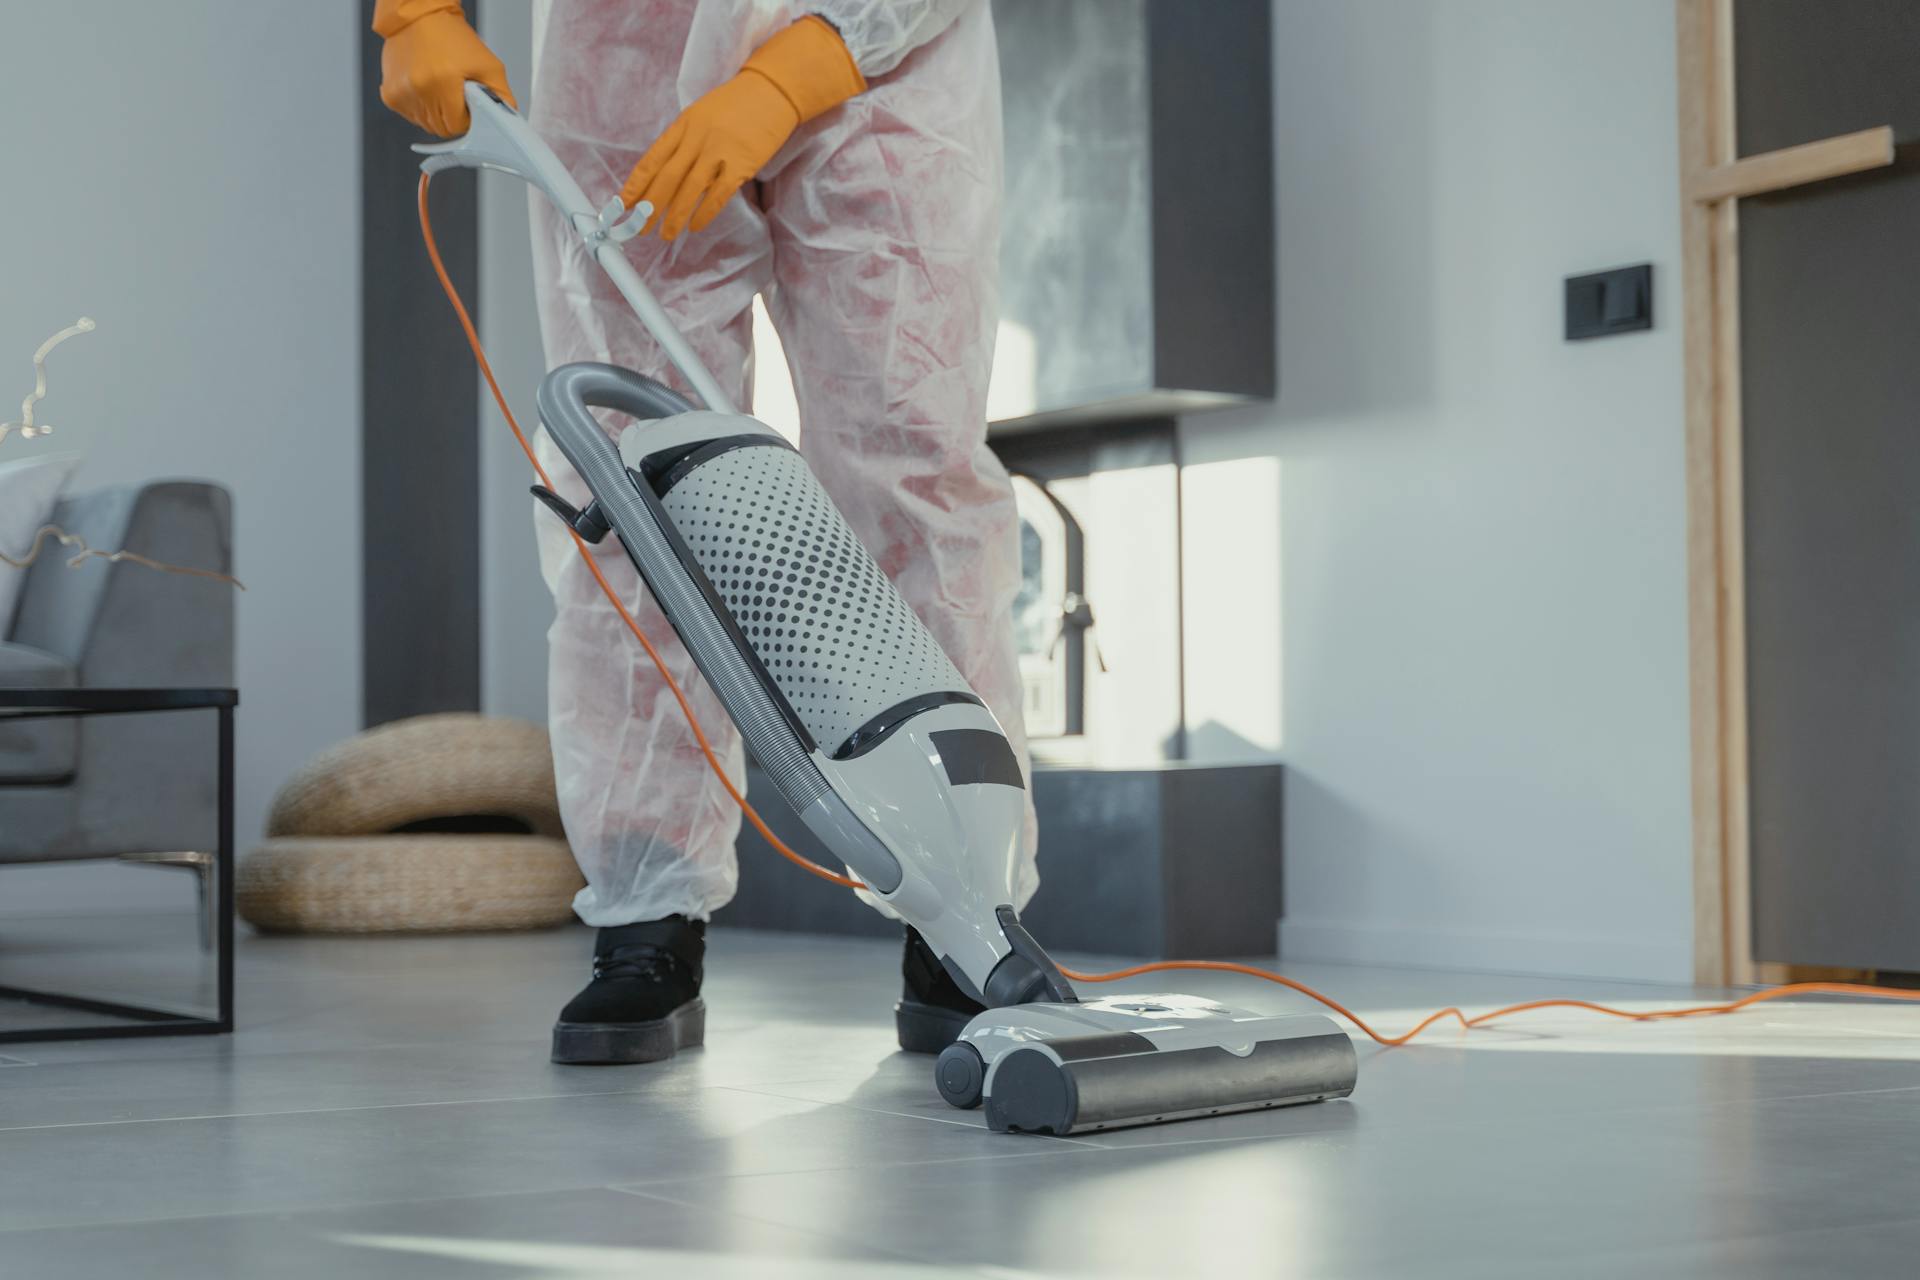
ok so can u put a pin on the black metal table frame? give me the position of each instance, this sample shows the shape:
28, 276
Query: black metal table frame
34, 704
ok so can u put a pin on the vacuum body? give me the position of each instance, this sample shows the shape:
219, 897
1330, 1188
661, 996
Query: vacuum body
859, 718
862, 722
849, 705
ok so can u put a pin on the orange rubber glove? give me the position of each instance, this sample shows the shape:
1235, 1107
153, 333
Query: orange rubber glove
429, 55
731, 132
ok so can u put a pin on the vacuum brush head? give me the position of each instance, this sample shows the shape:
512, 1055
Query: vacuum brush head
1139, 1059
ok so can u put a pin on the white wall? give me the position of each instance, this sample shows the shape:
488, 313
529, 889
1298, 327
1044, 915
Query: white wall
187, 174
1479, 541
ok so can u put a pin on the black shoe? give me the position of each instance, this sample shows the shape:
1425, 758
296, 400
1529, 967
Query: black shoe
644, 1001
933, 1011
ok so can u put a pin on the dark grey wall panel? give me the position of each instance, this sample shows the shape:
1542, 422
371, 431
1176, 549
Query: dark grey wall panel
1810, 69
420, 412
1213, 216
1830, 323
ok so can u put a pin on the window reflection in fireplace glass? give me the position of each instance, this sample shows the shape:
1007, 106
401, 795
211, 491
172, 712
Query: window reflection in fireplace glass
1050, 617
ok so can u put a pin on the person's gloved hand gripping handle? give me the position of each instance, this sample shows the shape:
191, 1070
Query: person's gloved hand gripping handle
730, 133
430, 54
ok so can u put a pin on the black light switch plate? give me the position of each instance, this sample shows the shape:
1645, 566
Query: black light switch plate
1609, 302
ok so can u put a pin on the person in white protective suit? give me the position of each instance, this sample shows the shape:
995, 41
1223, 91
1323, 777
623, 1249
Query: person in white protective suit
841, 158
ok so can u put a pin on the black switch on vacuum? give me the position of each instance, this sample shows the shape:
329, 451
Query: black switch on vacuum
1606, 302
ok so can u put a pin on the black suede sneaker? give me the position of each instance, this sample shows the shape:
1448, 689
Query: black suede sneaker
643, 1004
933, 1011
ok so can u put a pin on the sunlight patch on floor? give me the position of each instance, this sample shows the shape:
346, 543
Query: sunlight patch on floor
1810, 1029
551, 1261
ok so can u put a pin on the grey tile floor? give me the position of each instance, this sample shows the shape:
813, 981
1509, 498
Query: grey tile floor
388, 1110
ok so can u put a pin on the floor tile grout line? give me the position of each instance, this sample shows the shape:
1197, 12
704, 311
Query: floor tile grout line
768, 1092
1233, 1139
645, 1186
330, 1206
648, 1190
1770, 1099
1748, 1237
239, 1047
338, 1206
1227, 1139
1688, 1106
682, 1091
644, 1190
1652, 1252
1758, 1102
883, 1111
323, 1111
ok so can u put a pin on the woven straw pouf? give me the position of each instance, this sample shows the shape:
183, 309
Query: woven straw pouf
406, 883
429, 768
438, 823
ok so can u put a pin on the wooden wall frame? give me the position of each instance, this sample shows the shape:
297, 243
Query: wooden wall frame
1713, 178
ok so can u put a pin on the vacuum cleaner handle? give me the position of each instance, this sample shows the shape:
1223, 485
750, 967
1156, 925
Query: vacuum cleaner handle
497, 137
624, 391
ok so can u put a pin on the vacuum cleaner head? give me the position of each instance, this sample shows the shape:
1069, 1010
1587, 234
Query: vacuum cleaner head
1139, 1059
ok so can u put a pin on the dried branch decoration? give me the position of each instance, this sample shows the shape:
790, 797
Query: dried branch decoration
27, 427
54, 533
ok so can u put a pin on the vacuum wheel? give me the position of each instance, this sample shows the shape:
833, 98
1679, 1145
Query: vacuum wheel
960, 1075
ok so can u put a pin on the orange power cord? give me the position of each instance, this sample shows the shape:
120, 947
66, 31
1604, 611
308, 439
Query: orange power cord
1220, 966
593, 565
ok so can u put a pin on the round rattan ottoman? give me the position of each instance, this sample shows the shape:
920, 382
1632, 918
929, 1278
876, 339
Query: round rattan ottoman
407, 883
434, 824
454, 768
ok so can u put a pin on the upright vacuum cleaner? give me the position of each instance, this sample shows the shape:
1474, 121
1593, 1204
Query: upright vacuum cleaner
863, 724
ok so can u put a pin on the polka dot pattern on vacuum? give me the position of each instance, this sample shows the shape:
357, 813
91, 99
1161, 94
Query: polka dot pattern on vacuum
809, 598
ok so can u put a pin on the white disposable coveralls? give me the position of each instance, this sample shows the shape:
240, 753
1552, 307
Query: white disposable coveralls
874, 234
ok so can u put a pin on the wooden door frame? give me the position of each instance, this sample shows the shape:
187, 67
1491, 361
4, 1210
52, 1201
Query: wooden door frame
1713, 178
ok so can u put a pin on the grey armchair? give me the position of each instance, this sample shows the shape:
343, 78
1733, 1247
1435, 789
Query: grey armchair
141, 786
